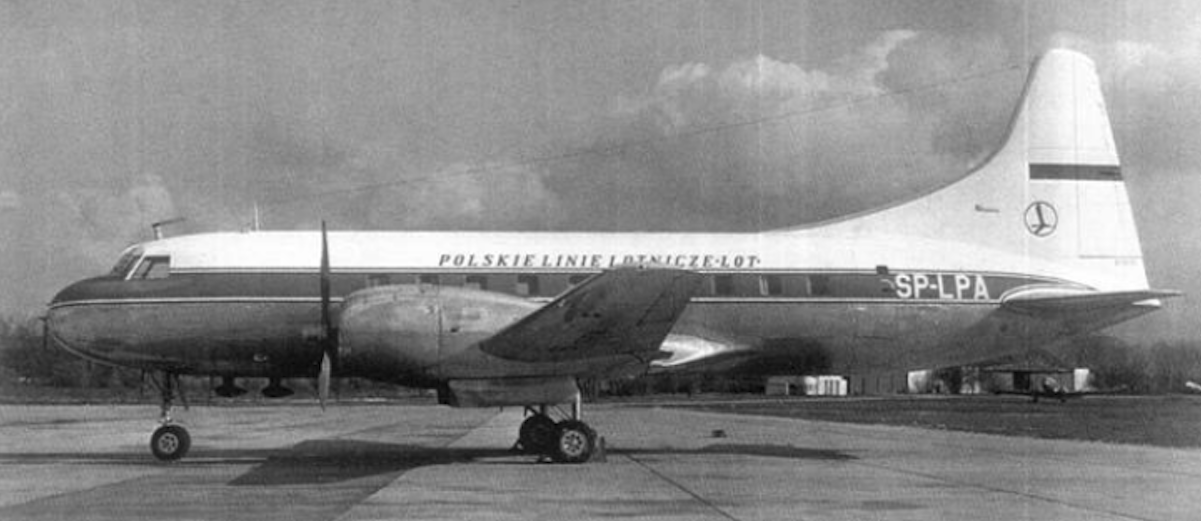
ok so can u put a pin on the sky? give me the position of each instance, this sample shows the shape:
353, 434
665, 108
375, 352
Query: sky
547, 115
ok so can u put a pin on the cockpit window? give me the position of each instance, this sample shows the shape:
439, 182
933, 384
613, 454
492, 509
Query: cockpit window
126, 262
153, 268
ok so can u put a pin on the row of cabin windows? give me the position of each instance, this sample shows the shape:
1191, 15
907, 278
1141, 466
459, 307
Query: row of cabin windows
723, 285
529, 285
524, 285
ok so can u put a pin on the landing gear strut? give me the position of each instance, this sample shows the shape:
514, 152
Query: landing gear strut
170, 441
568, 440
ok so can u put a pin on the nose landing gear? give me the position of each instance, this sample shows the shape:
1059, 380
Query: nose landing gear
170, 441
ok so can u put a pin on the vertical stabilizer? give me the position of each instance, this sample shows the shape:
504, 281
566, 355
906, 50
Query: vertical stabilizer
1074, 169
1051, 200
1067, 122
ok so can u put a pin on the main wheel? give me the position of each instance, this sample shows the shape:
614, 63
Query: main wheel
170, 442
574, 443
537, 434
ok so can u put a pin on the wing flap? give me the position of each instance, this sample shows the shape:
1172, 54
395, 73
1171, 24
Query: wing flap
627, 310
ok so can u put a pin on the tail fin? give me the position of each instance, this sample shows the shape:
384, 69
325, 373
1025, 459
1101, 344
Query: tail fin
1073, 162
1051, 200
1078, 212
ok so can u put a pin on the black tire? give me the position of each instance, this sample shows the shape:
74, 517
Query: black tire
537, 434
575, 442
170, 442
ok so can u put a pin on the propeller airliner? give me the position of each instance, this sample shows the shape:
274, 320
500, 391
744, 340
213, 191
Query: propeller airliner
1034, 246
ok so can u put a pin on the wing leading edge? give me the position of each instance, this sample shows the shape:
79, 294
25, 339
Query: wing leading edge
626, 310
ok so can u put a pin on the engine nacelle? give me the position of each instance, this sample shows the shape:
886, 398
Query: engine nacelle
401, 333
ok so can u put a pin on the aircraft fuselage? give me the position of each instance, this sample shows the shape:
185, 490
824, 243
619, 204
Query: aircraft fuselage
245, 319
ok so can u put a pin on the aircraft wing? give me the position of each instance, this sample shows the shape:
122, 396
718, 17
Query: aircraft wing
1065, 301
626, 310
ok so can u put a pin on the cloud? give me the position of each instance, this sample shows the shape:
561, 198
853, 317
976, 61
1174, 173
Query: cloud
1129, 56
484, 196
863, 69
1155, 103
94, 224
305, 176
10, 200
761, 143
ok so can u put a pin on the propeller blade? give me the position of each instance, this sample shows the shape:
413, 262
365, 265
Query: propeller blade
326, 322
329, 336
323, 379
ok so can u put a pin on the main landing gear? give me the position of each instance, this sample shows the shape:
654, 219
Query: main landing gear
170, 441
569, 440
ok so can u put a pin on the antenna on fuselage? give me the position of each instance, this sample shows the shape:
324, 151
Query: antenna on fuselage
158, 226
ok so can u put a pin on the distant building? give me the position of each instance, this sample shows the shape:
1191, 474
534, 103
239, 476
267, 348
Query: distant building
877, 384
1028, 371
826, 385
1022, 372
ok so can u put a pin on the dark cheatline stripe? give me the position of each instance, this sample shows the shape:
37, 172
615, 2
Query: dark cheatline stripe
743, 287
1076, 172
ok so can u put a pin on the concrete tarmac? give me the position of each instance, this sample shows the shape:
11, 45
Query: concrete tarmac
369, 462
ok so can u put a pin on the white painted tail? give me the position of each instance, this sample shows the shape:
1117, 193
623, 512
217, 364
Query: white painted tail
1050, 201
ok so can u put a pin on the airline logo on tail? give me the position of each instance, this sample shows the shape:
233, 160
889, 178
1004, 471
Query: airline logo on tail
1041, 218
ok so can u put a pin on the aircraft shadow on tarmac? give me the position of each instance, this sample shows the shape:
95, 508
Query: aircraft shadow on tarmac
327, 461
332, 461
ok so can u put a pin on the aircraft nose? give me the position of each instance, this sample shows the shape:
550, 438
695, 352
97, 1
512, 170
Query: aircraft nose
72, 324
64, 330
78, 291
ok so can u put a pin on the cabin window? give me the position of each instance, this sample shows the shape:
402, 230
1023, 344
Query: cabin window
479, 282
771, 285
378, 279
428, 279
527, 285
723, 285
576, 279
153, 268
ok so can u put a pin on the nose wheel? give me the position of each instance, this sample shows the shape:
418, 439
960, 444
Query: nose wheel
170, 441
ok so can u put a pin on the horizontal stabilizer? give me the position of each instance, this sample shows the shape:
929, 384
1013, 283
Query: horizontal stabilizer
626, 310
1055, 300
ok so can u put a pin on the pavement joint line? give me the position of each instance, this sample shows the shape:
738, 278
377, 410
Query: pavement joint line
968, 484
681, 487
